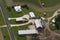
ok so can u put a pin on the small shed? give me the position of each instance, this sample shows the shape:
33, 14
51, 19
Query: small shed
32, 15
17, 8
27, 32
53, 20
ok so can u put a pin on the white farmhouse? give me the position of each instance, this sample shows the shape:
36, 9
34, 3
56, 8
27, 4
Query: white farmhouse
17, 8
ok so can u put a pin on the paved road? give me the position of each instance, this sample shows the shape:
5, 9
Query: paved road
6, 21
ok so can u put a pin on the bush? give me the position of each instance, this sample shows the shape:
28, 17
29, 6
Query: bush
9, 8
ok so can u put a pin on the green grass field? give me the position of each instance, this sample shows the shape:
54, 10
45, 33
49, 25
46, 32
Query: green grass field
15, 30
37, 13
13, 13
47, 2
13, 21
51, 2
1, 19
30, 1
5, 33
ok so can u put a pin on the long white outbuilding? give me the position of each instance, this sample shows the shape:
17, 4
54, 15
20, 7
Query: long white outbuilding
27, 32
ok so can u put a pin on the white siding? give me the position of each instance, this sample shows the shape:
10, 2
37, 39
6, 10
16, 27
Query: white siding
26, 32
32, 15
17, 8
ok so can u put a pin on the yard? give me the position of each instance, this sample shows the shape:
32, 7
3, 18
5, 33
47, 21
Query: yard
11, 12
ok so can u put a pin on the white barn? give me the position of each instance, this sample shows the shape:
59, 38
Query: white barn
38, 23
27, 32
17, 8
32, 15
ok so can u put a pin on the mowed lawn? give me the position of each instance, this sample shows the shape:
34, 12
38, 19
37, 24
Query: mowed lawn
47, 2
15, 31
1, 19
12, 13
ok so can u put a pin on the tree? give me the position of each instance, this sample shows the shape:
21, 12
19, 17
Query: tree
9, 8
57, 23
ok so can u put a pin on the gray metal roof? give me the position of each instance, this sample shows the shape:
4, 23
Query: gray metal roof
32, 14
38, 23
25, 32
